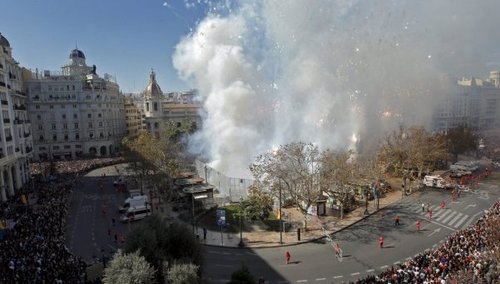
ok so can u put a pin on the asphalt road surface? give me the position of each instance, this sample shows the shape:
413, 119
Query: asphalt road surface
87, 232
317, 263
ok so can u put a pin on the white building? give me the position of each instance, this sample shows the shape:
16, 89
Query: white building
178, 107
15, 139
474, 103
75, 113
134, 121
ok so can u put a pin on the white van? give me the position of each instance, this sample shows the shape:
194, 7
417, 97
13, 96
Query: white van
136, 213
436, 181
139, 200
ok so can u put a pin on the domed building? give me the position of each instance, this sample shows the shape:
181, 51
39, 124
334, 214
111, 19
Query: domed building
75, 112
177, 107
16, 140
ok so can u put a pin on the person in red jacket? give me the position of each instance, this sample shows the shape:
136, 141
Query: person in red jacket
287, 257
381, 241
418, 225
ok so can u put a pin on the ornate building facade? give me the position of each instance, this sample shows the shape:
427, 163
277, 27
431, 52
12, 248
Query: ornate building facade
75, 113
134, 118
16, 143
177, 107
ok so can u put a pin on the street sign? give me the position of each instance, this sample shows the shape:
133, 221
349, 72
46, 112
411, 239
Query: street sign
221, 216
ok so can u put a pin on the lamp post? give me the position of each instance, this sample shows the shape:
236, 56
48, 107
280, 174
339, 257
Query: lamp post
366, 202
192, 200
281, 224
241, 244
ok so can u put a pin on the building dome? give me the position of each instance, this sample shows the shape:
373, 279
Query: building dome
153, 89
4, 41
76, 53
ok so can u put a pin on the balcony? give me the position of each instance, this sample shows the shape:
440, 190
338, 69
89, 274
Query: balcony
2, 84
18, 121
4, 102
8, 138
6, 120
17, 149
26, 135
28, 149
19, 107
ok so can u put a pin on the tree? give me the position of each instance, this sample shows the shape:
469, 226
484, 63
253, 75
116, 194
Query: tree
242, 276
128, 268
258, 204
461, 140
161, 243
337, 174
294, 169
182, 273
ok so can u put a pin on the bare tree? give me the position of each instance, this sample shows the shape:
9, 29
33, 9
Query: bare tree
129, 268
337, 174
293, 168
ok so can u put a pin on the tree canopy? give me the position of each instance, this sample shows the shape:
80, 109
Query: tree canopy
128, 268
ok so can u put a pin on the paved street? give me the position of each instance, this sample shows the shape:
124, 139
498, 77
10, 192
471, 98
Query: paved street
87, 230
316, 262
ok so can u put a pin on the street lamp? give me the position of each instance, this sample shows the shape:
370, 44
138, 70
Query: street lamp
281, 224
366, 202
241, 244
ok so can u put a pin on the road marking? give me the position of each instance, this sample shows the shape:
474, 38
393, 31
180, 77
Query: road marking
384, 267
473, 217
442, 216
470, 205
355, 273
320, 279
408, 258
455, 219
397, 262
435, 231
338, 276
444, 226
301, 281
370, 270
449, 217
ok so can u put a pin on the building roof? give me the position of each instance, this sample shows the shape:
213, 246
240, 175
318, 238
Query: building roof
153, 89
76, 53
4, 41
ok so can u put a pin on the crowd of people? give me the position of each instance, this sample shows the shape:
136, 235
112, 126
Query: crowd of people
471, 255
32, 243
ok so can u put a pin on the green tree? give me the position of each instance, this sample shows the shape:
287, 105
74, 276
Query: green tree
129, 268
160, 242
258, 204
242, 276
293, 169
182, 273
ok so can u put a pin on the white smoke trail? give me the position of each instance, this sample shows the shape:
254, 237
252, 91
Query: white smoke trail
272, 72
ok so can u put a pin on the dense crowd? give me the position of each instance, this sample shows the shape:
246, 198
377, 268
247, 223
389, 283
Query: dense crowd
471, 255
33, 248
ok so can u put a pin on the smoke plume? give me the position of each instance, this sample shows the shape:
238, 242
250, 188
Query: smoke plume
336, 73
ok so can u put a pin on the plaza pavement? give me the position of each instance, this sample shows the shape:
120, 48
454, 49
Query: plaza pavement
260, 238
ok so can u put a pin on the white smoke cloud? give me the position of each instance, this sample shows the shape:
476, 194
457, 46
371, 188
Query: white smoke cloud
272, 72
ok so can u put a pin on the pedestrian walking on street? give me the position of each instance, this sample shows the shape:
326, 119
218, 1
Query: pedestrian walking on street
418, 225
288, 256
381, 241
204, 233
113, 221
430, 214
443, 204
423, 207
116, 238
396, 220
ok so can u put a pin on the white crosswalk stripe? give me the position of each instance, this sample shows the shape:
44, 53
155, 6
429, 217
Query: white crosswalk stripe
442, 216
455, 219
461, 221
445, 220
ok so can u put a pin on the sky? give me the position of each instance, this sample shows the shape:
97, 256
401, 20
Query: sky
125, 38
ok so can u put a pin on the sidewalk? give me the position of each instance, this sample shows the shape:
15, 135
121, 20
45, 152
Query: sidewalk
262, 238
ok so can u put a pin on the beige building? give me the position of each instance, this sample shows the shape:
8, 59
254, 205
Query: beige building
178, 107
134, 121
75, 112
474, 102
16, 143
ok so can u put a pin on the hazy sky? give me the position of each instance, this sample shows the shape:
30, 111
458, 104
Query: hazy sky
125, 38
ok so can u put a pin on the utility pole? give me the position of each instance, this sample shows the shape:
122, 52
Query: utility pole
241, 244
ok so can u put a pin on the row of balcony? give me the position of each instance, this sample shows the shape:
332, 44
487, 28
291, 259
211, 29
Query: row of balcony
17, 149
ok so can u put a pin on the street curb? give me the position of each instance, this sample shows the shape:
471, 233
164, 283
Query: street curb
302, 242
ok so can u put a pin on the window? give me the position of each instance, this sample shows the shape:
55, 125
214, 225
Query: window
64, 116
147, 106
91, 125
37, 106
101, 135
74, 105
40, 127
38, 117
156, 124
53, 126
76, 125
99, 115
54, 137
155, 106
55, 147
77, 136
65, 126
66, 137
40, 138
89, 115
75, 116
91, 135
51, 106
63, 106
100, 123
67, 146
